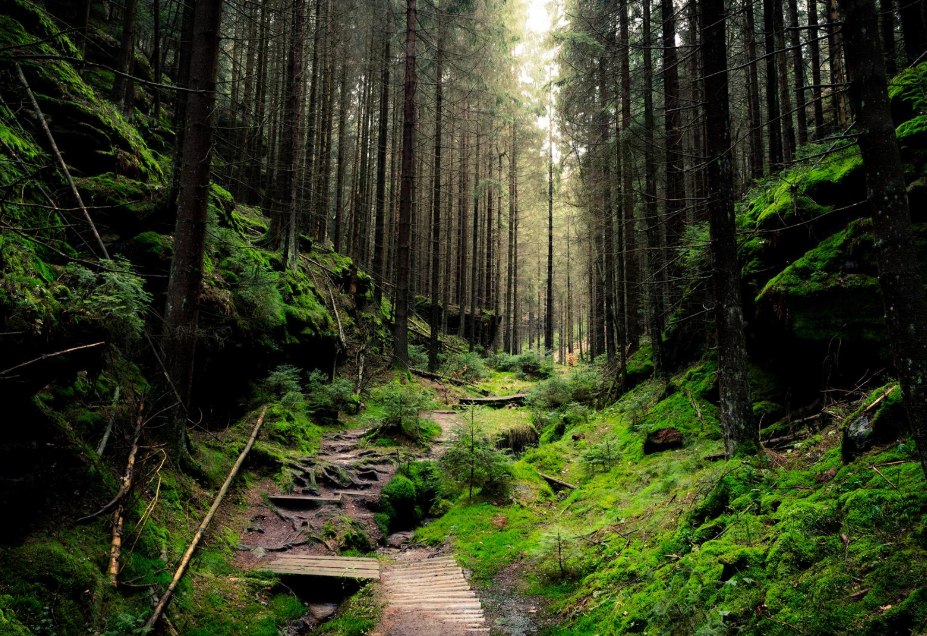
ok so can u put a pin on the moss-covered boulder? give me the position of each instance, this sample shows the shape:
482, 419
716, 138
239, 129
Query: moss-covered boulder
880, 420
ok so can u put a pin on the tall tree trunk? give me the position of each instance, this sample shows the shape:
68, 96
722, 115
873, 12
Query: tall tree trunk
122, 85
814, 46
788, 127
384, 124
401, 325
675, 198
899, 274
509, 316
838, 95
608, 219
798, 71
342, 159
181, 313
753, 87
912, 28
631, 255
887, 27
549, 314
436, 205
652, 221
516, 314
463, 215
156, 58
773, 121
307, 190
293, 139
474, 255
740, 433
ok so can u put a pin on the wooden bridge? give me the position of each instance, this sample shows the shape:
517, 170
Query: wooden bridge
332, 566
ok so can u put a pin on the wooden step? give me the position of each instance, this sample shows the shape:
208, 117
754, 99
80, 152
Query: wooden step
304, 501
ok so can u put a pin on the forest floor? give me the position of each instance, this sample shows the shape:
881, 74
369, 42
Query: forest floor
350, 467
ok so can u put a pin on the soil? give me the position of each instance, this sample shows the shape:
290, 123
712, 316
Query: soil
345, 468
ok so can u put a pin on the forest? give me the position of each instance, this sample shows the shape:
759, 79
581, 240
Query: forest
442, 317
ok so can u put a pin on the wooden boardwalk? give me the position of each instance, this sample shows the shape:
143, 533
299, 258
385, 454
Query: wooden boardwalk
433, 591
333, 566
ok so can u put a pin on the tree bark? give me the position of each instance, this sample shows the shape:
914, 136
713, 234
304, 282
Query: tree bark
740, 433
382, 139
753, 88
798, 72
401, 326
549, 313
773, 121
181, 314
899, 274
652, 221
436, 205
815, 49
122, 85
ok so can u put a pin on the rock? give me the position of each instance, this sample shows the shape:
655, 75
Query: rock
322, 611
258, 553
879, 423
399, 539
663, 439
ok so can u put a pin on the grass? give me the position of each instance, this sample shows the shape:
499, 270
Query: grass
673, 543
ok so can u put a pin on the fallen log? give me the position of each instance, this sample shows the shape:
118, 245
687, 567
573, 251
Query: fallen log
428, 375
182, 568
556, 483
496, 401
119, 516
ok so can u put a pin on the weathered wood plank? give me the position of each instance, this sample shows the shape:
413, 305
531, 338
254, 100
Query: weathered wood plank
306, 501
503, 400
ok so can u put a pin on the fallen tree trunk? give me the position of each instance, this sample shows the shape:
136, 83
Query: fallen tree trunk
556, 483
119, 516
182, 568
517, 400
428, 375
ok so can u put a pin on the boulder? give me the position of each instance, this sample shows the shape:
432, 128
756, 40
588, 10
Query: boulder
880, 422
663, 439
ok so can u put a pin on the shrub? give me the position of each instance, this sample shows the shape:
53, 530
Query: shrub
401, 405
326, 399
115, 297
283, 380
467, 366
398, 504
531, 366
502, 361
472, 461
418, 357
550, 394
587, 384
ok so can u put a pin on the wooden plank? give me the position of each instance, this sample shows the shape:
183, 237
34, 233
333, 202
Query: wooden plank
307, 501
502, 400
309, 559
330, 572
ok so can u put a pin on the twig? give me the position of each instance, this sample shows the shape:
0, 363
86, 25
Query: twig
884, 477
51, 355
880, 398
182, 568
64, 167
338, 317
109, 424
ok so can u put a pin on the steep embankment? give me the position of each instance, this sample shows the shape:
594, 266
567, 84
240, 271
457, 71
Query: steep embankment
73, 412
666, 539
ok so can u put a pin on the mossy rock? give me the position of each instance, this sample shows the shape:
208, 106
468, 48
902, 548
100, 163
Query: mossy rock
869, 426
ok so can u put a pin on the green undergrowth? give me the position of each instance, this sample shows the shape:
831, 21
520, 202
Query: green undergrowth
676, 542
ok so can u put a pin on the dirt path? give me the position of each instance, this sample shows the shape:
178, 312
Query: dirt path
424, 591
